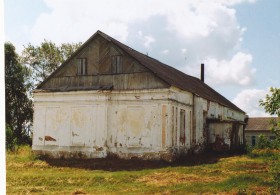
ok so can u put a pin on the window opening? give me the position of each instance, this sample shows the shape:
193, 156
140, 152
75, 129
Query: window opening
82, 66
182, 126
253, 140
117, 64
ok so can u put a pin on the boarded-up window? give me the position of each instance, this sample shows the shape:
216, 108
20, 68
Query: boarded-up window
182, 126
117, 64
82, 66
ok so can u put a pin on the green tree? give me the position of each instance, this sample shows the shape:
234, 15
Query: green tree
42, 60
271, 105
18, 106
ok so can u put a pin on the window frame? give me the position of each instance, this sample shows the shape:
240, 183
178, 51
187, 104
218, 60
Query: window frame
117, 64
82, 66
253, 140
182, 126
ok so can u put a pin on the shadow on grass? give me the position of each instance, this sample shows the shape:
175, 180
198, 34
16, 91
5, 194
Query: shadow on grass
116, 164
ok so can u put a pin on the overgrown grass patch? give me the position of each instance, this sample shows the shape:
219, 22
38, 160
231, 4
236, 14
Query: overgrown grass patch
27, 174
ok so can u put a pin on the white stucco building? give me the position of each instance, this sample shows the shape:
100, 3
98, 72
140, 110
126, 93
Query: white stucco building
108, 99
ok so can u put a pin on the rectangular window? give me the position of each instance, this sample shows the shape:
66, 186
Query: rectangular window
82, 66
182, 126
117, 64
253, 140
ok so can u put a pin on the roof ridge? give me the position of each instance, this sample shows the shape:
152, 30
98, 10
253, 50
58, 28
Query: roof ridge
147, 56
166, 73
208, 95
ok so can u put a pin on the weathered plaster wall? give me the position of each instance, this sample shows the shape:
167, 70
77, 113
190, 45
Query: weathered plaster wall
94, 123
220, 129
149, 124
64, 122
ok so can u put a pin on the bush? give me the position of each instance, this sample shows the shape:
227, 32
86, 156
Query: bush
263, 142
264, 152
275, 171
11, 141
23, 153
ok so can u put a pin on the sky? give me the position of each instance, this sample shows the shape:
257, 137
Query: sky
237, 40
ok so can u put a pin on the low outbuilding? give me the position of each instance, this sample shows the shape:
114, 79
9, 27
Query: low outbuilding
257, 126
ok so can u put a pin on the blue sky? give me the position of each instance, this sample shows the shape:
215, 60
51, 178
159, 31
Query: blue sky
263, 37
238, 40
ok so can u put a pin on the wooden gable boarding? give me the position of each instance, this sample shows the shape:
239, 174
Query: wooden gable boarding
105, 66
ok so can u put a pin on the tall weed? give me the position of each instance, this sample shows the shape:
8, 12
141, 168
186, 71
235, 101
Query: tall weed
23, 153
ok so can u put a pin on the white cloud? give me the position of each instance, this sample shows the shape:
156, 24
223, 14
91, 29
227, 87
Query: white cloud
146, 40
248, 101
186, 17
166, 51
72, 20
183, 50
190, 32
236, 71
233, 2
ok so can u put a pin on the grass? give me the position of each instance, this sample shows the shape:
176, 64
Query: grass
27, 174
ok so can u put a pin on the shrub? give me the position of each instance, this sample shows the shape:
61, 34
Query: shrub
23, 153
11, 141
264, 152
263, 142
275, 171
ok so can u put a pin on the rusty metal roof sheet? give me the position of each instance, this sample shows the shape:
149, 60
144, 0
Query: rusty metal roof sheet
259, 123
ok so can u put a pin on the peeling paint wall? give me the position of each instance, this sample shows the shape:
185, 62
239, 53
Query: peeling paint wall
220, 129
140, 115
214, 121
65, 123
149, 124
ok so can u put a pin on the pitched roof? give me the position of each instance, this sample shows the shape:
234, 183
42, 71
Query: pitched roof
259, 124
166, 73
173, 76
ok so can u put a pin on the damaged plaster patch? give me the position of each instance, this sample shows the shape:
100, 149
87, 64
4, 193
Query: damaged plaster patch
49, 138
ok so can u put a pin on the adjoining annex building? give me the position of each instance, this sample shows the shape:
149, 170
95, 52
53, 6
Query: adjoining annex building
108, 99
257, 126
